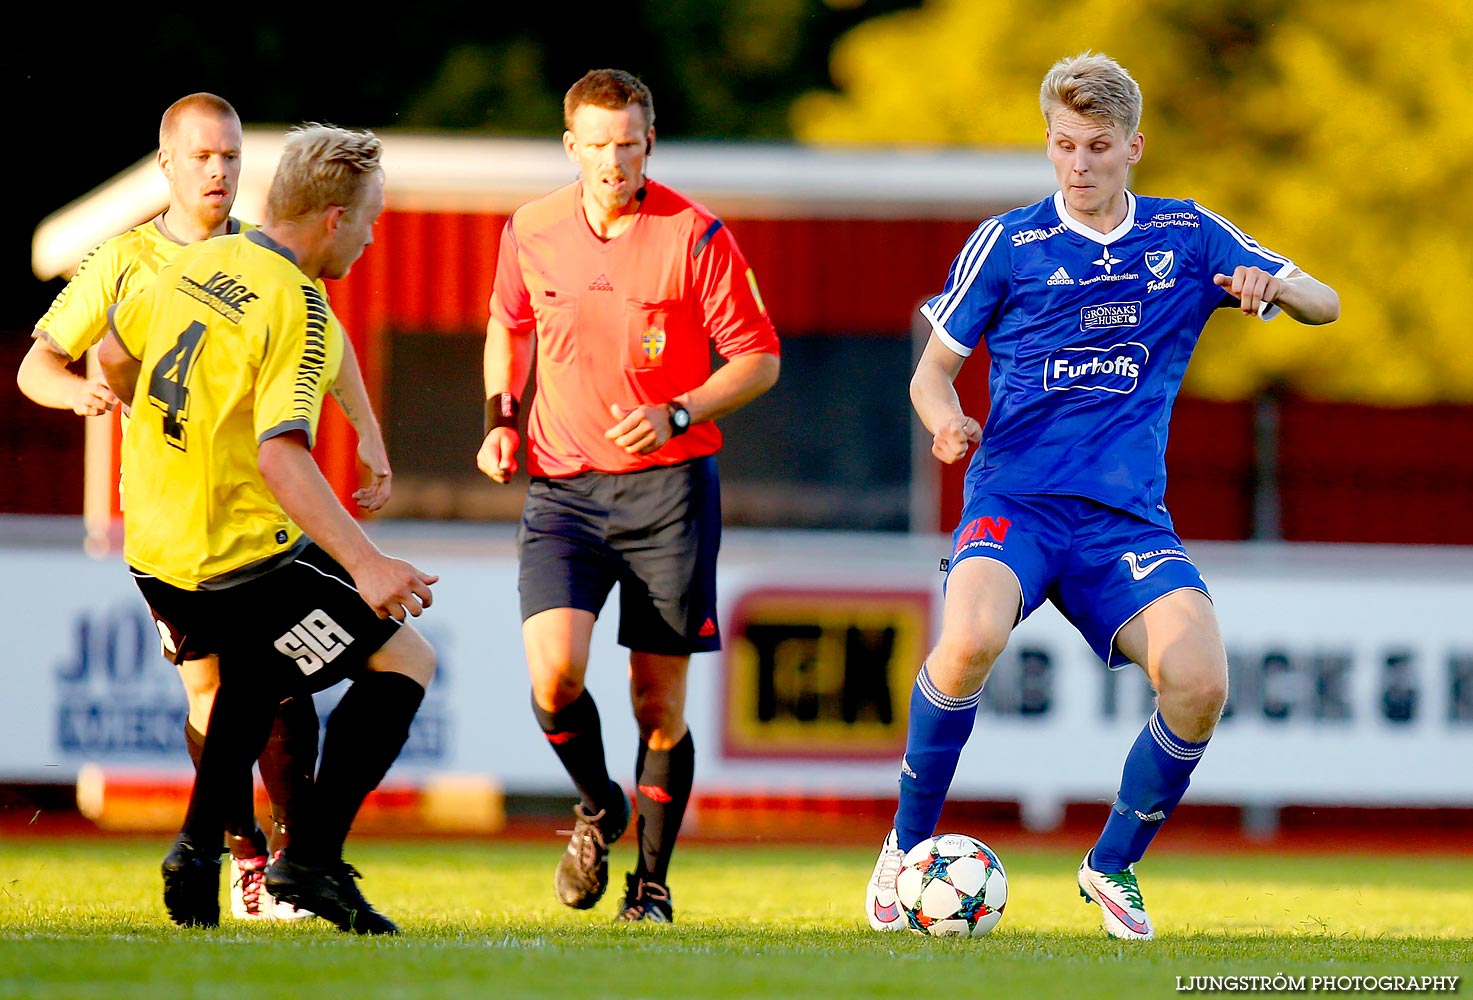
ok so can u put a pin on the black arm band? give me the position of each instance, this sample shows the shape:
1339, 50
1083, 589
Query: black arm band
501, 411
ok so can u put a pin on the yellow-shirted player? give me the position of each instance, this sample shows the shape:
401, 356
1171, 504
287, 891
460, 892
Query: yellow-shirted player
236, 539
77, 318
199, 153
199, 512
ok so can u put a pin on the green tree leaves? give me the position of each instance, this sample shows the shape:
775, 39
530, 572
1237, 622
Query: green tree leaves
1327, 131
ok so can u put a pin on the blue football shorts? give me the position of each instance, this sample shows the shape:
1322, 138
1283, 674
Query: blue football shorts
1098, 565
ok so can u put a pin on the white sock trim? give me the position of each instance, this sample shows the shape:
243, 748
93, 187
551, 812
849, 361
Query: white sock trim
1170, 743
945, 702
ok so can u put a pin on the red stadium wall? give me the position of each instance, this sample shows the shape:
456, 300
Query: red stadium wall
1363, 474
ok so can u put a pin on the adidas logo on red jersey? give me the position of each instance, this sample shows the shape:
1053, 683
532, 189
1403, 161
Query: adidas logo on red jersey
601, 284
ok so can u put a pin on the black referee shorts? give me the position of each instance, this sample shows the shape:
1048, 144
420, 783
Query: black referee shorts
655, 532
301, 627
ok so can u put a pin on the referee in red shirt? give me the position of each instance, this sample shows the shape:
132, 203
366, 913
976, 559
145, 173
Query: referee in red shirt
627, 285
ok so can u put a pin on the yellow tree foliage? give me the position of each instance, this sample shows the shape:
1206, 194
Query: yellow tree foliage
1331, 132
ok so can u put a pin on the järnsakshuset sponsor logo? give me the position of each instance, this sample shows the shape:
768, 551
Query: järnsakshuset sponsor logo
1116, 368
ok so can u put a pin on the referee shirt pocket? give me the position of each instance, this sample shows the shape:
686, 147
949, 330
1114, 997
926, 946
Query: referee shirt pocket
650, 328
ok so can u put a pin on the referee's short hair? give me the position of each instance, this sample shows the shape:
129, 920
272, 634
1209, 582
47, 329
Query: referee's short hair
608, 88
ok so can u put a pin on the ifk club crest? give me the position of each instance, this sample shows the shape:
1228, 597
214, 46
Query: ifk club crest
652, 342
1160, 262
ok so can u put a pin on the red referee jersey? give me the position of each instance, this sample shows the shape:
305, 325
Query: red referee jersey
626, 321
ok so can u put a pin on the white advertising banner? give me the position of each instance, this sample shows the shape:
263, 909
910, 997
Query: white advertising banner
1352, 675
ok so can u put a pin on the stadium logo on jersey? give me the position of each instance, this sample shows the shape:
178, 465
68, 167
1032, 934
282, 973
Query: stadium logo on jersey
1060, 277
221, 293
1161, 262
314, 642
1116, 368
1109, 315
652, 342
1143, 564
1034, 235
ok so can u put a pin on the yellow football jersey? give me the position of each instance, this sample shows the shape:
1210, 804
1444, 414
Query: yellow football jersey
115, 269
238, 346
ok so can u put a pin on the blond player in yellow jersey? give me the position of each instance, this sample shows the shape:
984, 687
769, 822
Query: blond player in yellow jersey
199, 155
236, 540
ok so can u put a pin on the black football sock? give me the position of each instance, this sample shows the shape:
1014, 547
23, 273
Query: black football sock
664, 778
288, 763
221, 798
576, 736
242, 837
365, 733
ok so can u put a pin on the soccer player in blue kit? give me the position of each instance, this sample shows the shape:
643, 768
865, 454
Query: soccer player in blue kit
1089, 303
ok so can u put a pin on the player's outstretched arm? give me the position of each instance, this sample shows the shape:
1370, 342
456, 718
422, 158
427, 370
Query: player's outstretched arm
44, 377
352, 397
934, 397
1301, 296
392, 587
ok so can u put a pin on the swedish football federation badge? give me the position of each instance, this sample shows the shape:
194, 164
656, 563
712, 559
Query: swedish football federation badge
652, 342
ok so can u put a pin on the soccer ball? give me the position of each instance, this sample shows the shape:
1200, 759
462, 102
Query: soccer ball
952, 884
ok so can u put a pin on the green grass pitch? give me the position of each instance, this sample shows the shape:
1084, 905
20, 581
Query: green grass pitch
82, 918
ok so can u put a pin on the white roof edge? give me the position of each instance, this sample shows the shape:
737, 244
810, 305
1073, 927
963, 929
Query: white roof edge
476, 173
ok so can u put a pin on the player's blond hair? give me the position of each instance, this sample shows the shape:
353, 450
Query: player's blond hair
321, 166
1093, 86
208, 103
613, 89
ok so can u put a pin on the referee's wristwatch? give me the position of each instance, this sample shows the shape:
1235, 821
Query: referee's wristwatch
679, 419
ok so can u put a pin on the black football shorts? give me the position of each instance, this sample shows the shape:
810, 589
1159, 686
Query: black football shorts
303, 625
654, 532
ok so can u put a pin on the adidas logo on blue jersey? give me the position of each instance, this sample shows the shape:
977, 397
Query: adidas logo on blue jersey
1060, 277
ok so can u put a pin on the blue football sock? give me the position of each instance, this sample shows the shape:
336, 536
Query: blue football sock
1157, 771
939, 727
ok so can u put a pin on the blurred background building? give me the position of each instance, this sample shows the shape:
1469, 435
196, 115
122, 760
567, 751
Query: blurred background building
1318, 131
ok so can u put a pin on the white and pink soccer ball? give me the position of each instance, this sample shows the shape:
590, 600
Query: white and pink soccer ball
952, 884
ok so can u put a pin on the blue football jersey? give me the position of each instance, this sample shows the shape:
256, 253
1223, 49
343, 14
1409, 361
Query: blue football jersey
1089, 335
